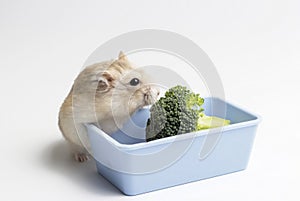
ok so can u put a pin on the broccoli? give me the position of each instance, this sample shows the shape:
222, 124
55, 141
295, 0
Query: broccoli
174, 114
179, 112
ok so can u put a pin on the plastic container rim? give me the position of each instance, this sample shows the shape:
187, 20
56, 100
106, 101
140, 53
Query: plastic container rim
180, 137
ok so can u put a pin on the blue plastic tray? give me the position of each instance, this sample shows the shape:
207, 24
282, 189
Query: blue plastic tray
135, 166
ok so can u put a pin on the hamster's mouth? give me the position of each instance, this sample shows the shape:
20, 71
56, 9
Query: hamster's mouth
148, 96
149, 99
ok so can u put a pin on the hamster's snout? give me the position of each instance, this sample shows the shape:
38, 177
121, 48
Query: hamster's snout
151, 94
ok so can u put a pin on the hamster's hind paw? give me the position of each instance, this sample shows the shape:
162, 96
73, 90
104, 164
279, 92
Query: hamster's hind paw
81, 157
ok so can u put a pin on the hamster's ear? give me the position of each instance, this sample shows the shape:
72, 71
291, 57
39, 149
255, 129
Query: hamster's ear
122, 56
105, 81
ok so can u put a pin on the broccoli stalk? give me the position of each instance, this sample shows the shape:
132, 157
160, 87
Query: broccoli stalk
205, 122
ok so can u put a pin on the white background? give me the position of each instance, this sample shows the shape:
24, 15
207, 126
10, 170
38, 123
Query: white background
255, 46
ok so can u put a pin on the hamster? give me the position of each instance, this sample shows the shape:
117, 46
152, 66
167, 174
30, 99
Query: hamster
105, 93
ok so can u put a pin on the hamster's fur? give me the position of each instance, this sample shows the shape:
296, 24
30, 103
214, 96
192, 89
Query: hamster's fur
105, 93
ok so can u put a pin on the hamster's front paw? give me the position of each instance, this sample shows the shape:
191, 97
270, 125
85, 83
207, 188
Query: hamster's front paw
81, 157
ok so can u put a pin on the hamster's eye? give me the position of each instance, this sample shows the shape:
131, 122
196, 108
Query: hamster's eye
134, 82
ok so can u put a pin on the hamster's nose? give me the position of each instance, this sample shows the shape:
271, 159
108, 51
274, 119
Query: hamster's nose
155, 91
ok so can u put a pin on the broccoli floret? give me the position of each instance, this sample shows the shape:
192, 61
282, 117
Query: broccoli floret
174, 114
180, 111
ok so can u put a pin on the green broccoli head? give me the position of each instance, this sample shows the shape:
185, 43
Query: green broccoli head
174, 114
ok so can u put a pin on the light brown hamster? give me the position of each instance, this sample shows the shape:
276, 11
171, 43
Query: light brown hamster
105, 93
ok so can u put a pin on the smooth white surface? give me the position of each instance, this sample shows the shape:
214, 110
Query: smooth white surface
255, 46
